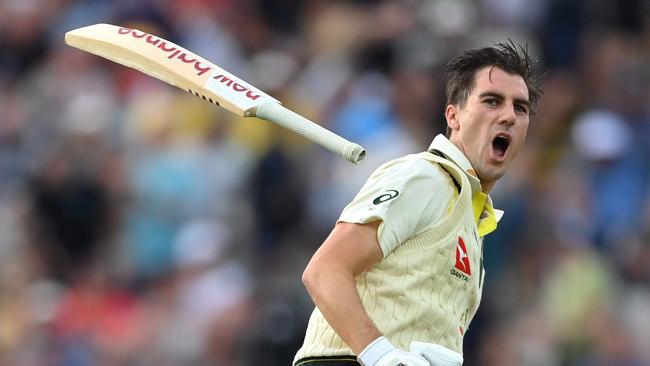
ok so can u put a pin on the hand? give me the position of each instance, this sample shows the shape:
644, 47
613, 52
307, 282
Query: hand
382, 353
436, 354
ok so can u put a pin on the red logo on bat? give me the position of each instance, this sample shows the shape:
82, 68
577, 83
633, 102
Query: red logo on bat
236, 86
173, 50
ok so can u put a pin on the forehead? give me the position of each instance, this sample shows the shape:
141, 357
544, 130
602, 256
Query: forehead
493, 79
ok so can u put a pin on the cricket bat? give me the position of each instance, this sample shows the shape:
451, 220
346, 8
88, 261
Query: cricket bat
175, 65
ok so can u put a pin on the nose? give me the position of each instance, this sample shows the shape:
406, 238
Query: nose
508, 116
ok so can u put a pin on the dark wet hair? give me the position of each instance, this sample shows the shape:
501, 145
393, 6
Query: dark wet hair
511, 58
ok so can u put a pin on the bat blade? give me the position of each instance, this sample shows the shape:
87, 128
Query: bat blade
175, 65
170, 63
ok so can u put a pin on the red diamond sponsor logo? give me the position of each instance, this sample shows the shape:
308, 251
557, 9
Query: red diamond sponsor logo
462, 259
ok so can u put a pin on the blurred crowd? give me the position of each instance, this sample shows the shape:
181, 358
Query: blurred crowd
140, 225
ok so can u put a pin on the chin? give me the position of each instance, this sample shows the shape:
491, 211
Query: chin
492, 174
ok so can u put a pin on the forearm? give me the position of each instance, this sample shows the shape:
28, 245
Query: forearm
334, 292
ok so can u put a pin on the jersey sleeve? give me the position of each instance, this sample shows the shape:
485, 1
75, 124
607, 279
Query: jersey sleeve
408, 196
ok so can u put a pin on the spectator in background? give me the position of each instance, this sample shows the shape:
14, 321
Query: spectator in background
214, 294
72, 196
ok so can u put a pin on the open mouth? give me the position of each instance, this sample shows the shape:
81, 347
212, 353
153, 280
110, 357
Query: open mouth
500, 145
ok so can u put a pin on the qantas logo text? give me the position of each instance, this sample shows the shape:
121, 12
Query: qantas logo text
462, 268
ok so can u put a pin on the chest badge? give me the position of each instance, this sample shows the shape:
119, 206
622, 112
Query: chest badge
462, 258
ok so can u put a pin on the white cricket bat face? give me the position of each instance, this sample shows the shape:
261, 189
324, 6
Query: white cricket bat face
169, 62
175, 65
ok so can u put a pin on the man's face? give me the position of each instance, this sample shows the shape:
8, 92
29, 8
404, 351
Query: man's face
491, 128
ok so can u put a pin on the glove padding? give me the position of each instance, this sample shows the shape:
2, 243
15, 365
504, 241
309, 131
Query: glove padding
382, 353
436, 354
397, 357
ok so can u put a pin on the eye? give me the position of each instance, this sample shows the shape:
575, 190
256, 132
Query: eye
520, 108
492, 102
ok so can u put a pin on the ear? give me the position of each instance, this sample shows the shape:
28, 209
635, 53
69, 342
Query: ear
451, 114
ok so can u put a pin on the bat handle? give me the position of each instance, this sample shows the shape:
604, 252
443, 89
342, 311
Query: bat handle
276, 113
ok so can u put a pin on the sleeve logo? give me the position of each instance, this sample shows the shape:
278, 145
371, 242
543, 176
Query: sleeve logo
389, 195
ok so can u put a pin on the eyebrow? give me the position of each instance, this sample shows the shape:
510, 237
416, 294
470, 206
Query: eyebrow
498, 95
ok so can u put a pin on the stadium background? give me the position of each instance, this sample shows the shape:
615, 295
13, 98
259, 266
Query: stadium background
140, 226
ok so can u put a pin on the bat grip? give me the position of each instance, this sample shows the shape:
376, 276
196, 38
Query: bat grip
276, 113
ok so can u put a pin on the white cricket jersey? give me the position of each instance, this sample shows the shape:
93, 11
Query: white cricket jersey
428, 285
409, 195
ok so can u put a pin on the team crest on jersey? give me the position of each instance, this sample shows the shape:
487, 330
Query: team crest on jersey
462, 269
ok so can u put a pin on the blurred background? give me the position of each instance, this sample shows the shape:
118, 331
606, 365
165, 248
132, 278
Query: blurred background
142, 226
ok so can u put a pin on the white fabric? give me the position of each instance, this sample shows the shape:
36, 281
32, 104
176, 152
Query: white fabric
452, 152
375, 351
397, 357
423, 192
436, 354
418, 292
382, 353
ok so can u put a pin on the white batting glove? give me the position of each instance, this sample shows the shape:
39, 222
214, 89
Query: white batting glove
436, 354
382, 353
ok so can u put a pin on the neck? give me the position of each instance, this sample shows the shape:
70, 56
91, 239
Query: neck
486, 185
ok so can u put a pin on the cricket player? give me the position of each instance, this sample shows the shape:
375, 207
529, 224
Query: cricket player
400, 277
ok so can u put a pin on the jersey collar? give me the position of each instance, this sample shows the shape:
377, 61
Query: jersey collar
482, 203
450, 151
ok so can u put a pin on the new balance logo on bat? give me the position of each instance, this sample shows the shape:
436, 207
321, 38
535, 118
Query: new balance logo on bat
178, 53
236, 86
173, 50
